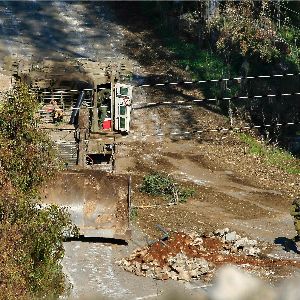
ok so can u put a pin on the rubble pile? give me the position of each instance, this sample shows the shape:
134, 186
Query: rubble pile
234, 243
190, 256
175, 258
182, 256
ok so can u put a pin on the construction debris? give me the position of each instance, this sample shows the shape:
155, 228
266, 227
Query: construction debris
175, 258
193, 256
235, 243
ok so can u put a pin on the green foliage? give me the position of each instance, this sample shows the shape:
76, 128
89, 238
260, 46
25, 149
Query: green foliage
133, 214
31, 247
272, 155
27, 155
244, 31
157, 184
292, 36
203, 63
31, 236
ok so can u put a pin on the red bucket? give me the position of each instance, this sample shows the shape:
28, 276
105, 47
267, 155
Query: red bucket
106, 123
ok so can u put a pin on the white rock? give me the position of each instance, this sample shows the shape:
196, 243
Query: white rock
251, 251
241, 242
184, 275
198, 241
230, 236
221, 232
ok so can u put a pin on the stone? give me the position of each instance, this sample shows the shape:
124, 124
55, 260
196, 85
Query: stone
150, 272
230, 237
166, 269
155, 262
241, 243
144, 267
252, 242
198, 241
148, 258
178, 268
202, 265
173, 275
221, 232
193, 274
251, 251
138, 272
234, 249
184, 275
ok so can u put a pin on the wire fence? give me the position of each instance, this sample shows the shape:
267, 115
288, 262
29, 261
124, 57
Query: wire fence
217, 80
151, 104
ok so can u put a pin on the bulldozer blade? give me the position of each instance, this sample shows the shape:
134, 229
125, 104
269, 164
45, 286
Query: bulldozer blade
98, 202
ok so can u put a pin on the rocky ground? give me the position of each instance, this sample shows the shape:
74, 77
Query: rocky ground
187, 257
233, 188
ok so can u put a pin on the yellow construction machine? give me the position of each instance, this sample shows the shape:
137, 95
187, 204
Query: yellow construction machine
85, 107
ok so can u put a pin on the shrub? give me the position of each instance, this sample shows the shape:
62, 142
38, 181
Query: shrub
157, 184
31, 247
242, 30
27, 155
31, 236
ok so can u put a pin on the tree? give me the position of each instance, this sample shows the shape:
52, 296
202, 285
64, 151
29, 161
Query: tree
31, 236
247, 28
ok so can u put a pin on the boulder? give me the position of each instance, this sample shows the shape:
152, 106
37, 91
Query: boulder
221, 232
184, 275
230, 237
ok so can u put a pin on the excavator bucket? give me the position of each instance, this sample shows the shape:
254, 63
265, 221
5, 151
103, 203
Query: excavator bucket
97, 201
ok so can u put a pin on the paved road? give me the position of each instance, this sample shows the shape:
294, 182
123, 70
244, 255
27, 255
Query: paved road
92, 271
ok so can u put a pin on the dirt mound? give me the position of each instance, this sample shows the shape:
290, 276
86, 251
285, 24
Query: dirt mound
182, 256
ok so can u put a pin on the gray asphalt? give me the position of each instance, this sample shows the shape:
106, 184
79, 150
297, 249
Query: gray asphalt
92, 271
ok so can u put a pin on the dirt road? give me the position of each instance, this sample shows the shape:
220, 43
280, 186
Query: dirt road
57, 29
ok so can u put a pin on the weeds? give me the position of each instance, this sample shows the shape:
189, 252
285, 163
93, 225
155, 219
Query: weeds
133, 215
158, 184
273, 155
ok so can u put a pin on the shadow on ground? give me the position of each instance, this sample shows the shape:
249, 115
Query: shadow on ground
101, 240
288, 244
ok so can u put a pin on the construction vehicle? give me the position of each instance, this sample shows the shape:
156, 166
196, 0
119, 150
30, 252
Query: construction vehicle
85, 107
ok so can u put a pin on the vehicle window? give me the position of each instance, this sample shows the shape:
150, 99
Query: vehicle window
124, 91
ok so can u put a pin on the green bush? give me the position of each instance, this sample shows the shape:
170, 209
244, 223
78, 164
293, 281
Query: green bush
27, 155
31, 246
157, 184
31, 236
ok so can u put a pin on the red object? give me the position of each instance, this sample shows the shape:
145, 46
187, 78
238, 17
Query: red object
106, 123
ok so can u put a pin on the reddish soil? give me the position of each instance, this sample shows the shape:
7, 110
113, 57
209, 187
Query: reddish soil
213, 252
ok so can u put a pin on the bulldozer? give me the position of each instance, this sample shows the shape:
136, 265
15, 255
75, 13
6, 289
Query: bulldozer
85, 107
